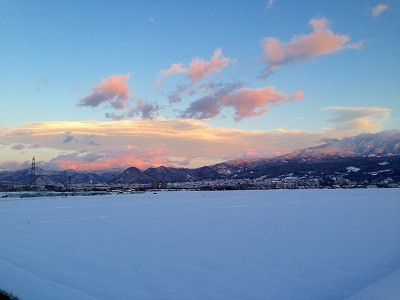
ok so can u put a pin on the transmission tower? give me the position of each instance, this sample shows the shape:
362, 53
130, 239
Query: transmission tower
33, 173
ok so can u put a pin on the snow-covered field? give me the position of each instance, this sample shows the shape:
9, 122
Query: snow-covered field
277, 244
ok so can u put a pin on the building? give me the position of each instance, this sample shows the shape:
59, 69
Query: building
155, 184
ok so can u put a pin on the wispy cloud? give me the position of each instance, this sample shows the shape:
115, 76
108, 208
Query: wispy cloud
377, 10
112, 90
321, 41
358, 118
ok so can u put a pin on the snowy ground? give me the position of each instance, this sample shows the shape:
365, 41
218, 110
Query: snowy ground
277, 244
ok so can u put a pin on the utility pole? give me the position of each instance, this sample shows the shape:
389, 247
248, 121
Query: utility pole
33, 173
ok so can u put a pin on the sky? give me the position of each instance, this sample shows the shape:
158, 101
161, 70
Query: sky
92, 85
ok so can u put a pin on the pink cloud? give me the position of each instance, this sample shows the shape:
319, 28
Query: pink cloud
210, 106
121, 157
298, 95
113, 90
173, 69
377, 10
321, 41
198, 68
248, 102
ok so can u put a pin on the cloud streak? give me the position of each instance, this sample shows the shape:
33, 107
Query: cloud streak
357, 118
321, 41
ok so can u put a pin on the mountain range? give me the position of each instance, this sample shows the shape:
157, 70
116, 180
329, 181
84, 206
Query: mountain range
363, 158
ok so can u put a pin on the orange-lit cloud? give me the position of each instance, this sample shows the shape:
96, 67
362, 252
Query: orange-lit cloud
321, 41
198, 68
182, 141
377, 10
143, 143
112, 90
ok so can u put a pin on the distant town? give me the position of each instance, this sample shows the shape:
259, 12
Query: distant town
365, 161
288, 181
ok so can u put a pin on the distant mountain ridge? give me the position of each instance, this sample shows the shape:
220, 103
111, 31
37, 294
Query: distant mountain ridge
379, 144
376, 155
385, 143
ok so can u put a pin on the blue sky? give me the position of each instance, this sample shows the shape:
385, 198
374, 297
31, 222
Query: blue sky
54, 53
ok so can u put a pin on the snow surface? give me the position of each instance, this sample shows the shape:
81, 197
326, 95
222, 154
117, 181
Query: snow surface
352, 169
276, 244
